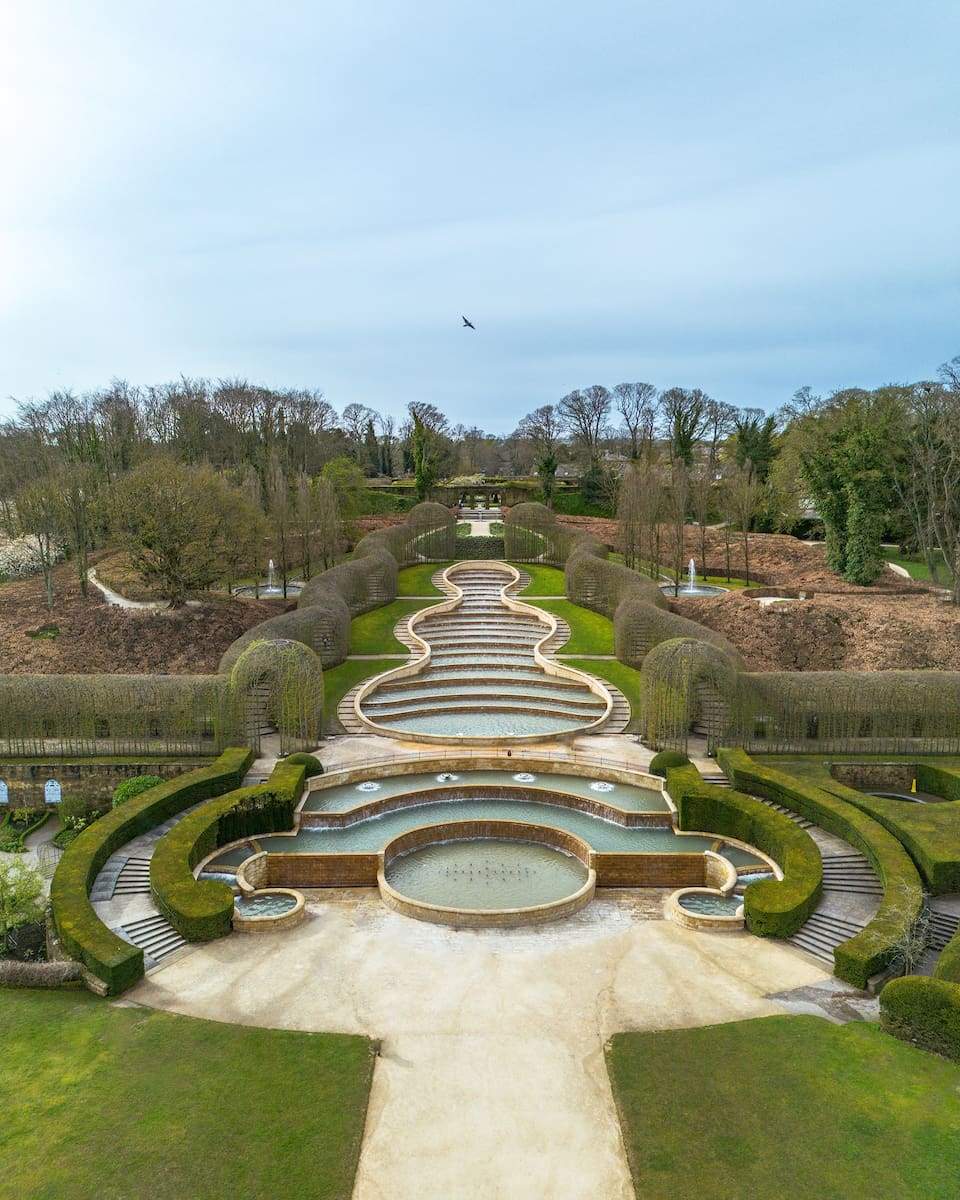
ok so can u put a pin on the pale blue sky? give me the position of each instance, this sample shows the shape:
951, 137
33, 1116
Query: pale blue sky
744, 197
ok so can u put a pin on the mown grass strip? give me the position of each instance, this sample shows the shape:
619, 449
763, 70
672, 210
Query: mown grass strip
339, 680
372, 632
125, 1103
415, 581
785, 1107
590, 633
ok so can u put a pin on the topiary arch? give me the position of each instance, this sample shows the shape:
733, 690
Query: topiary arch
278, 683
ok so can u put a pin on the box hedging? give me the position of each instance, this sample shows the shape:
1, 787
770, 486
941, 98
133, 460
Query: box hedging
875, 946
773, 908
948, 964
939, 781
923, 1011
202, 909
82, 934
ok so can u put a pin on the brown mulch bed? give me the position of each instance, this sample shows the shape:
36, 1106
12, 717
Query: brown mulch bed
774, 558
96, 638
836, 632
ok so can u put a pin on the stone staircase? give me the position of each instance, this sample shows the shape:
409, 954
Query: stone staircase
155, 936
851, 888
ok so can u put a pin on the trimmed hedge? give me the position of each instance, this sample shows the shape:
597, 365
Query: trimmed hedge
875, 946
134, 787
82, 934
939, 781
923, 1011
202, 909
311, 764
948, 964
667, 758
773, 908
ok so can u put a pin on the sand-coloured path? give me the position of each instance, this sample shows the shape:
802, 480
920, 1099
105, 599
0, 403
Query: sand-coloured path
491, 1083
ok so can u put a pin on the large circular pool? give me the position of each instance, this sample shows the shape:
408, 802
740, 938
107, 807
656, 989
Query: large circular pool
491, 873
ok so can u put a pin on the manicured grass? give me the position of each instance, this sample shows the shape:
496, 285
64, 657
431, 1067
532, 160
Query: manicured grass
788, 1108
917, 567
544, 581
621, 676
415, 581
372, 632
337, 681
590, 633
126, 1103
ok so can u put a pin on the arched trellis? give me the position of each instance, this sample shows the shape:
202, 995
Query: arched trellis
686, 683
279, 683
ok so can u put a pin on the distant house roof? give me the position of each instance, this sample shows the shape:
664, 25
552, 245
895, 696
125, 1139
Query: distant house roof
568, 470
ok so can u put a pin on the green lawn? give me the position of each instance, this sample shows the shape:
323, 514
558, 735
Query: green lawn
786, 1108
372, 632
544, 581
590, 633
917, 567
337, 681
415, 581
621, 676
103, 1103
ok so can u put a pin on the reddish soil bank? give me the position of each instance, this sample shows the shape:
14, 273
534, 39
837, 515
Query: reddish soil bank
96, 638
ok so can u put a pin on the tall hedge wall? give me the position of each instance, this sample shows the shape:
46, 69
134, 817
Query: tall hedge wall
70, 715
880, 712
203, 909
939, 781
82, 934
875, 946
773, 908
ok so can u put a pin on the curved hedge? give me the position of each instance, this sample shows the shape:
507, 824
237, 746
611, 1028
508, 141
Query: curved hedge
923, 1011
939, 781
948, 964
686, 681
82, 934
773, 908
875, 946
667, 758
202, 909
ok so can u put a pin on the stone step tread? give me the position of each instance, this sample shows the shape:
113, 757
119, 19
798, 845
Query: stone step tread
823, 919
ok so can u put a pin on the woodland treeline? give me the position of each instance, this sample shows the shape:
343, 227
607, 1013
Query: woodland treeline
203, 481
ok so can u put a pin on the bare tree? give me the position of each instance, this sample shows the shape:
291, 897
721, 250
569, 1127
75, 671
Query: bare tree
585, 414
637, 405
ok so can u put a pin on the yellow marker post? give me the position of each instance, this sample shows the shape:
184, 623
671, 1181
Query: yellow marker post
913, 788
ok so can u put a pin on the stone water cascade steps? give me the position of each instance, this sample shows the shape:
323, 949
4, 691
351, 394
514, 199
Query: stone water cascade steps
487, 650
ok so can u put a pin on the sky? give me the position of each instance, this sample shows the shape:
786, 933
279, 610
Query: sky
743, 197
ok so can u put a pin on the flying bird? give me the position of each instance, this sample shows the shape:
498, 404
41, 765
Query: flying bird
469, 325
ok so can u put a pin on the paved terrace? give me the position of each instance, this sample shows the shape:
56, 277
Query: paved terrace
491, 1083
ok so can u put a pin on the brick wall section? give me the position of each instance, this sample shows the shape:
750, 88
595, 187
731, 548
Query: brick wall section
650, 870
322, 870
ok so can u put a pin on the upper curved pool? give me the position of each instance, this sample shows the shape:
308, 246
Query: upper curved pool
482, 673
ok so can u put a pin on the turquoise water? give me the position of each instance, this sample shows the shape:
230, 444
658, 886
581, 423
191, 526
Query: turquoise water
490, 724
351, 795
705, 904
373, 833
270, 904
488, 874
741, 858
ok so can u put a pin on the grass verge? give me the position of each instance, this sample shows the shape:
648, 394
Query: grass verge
621, 676
590, 633
372, 632
337, 681
123, 1103
544, 581
415, 581
785, 1107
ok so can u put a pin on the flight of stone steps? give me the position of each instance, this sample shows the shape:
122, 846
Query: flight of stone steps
943, 926
851, 889
155, 936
